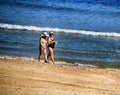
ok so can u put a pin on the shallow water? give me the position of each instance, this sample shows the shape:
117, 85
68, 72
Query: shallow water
86, 30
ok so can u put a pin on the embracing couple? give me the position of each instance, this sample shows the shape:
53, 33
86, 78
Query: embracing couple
42, 47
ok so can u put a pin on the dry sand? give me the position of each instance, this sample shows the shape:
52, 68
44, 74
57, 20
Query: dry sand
18, 77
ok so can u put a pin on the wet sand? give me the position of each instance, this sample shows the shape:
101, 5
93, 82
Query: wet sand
20, 77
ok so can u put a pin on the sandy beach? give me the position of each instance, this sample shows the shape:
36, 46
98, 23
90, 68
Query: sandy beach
20, 77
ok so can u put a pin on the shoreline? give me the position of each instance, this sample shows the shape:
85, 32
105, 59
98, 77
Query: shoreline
69, 62
23, 77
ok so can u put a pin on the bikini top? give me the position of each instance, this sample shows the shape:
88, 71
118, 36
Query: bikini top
52, 45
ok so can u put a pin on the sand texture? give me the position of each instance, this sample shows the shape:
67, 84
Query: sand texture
18, 77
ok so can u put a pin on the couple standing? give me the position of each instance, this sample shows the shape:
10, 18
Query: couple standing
42, 47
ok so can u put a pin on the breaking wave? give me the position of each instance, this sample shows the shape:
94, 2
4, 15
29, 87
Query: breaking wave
81, 32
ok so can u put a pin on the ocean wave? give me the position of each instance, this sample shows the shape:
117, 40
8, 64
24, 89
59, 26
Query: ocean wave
14, 57
69, 5
37, 2
81, 32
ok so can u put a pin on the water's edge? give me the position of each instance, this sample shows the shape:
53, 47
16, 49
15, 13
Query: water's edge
68, 62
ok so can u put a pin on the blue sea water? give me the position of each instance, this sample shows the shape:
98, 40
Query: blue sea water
86, 30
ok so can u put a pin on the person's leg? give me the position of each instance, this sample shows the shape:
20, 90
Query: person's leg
48, 53
40, 53
52, 55
45, 55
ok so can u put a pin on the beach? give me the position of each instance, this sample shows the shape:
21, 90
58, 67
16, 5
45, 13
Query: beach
87, 53
22, 77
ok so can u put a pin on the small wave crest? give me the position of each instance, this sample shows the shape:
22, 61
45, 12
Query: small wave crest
17, 57
14, 57
81, 32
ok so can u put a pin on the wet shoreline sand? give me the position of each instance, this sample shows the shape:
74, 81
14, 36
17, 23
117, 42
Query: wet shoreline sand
22, 77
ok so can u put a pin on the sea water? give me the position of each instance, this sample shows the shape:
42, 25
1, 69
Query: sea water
86, 30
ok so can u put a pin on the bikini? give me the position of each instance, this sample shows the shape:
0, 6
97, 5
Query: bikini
51, 45
42, 42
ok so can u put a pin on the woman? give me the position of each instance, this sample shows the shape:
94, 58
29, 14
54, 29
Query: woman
42, 47
51, 45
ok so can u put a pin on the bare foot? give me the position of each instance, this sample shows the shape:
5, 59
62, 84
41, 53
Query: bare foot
46, 61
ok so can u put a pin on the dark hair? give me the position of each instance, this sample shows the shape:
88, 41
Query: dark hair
51, 33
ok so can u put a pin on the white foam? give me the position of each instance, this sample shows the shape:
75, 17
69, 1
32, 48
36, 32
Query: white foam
85, 65
16, 57
64, 63
75, 64
82, 32
13, 57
